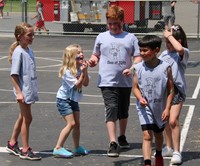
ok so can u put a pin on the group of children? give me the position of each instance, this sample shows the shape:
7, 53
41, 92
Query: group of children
158, 85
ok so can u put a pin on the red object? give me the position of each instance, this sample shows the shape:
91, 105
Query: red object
159, 161
50, 14
129, 12
39, 24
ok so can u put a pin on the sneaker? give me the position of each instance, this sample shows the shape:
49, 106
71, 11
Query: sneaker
159, 161
113, 150
81, 151
176, 158
62, 152
29, 155
13, 149
167, 152
123, 144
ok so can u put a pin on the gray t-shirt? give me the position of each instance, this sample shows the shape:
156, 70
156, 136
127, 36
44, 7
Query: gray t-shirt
23, 65
178, 68
116, 53
153, 85
40, 12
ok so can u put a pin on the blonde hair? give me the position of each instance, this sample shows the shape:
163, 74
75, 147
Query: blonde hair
20, 30
69, 60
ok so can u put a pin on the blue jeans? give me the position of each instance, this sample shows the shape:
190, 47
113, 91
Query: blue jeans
66, 106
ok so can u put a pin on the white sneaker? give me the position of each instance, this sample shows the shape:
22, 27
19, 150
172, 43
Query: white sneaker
176, 158
167, 152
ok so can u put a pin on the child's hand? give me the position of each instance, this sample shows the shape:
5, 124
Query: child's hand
20, 98
93, 61
165, 115
143, 102
127, 72
167, 33
84, 65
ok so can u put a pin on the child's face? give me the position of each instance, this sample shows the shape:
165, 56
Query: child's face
79, 56
27, 38
148, 54
169, 46
115, 26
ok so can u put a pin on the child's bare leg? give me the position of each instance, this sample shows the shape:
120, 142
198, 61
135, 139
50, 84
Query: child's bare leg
76, 130
158, 141
27, 119
174, 124
16, 130
65, 131
147, 143
168, 136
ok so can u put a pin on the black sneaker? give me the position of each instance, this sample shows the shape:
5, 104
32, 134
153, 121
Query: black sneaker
113, 150
13, 149
29, 155
123, 144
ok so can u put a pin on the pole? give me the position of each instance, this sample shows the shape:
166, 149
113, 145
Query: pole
198, 21
24, 10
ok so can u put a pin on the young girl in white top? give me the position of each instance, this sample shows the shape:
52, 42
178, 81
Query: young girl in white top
24, 80
74, 75
176, 54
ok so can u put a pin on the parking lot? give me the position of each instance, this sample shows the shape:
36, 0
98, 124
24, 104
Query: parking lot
47, 123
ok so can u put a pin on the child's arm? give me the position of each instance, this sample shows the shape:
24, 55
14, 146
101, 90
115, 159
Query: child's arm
41, 14
170, 87
129, 71
34, 17
176, 44
85, 73
15, 82
137, 93
173, 3
93, 60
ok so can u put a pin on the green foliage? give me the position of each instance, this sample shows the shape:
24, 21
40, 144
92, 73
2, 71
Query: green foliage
16, 6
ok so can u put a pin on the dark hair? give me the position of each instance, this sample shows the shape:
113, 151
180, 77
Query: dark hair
151, 41
179, 34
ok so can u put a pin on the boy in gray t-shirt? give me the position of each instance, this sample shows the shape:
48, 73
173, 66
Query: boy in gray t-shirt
114, 50
153, 89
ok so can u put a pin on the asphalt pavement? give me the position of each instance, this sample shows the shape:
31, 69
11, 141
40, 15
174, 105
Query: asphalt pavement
47, 123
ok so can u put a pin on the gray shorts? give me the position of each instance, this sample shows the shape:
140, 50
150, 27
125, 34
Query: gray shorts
66, 106
117, 101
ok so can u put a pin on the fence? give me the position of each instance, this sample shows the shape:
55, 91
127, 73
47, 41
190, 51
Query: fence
88, 17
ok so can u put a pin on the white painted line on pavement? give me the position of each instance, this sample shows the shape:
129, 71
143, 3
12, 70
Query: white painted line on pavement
196, 91
186, 126
3, 150
4, 57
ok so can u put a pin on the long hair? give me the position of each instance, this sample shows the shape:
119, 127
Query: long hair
69, 60
179, 34
20, 30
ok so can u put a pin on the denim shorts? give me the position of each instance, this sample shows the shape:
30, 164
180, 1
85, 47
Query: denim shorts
117, 101
66, 106
178, 97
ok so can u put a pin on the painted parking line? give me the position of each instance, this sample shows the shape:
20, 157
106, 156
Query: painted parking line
196, 91
184, 133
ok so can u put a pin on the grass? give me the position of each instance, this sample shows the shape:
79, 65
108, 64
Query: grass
16, 6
